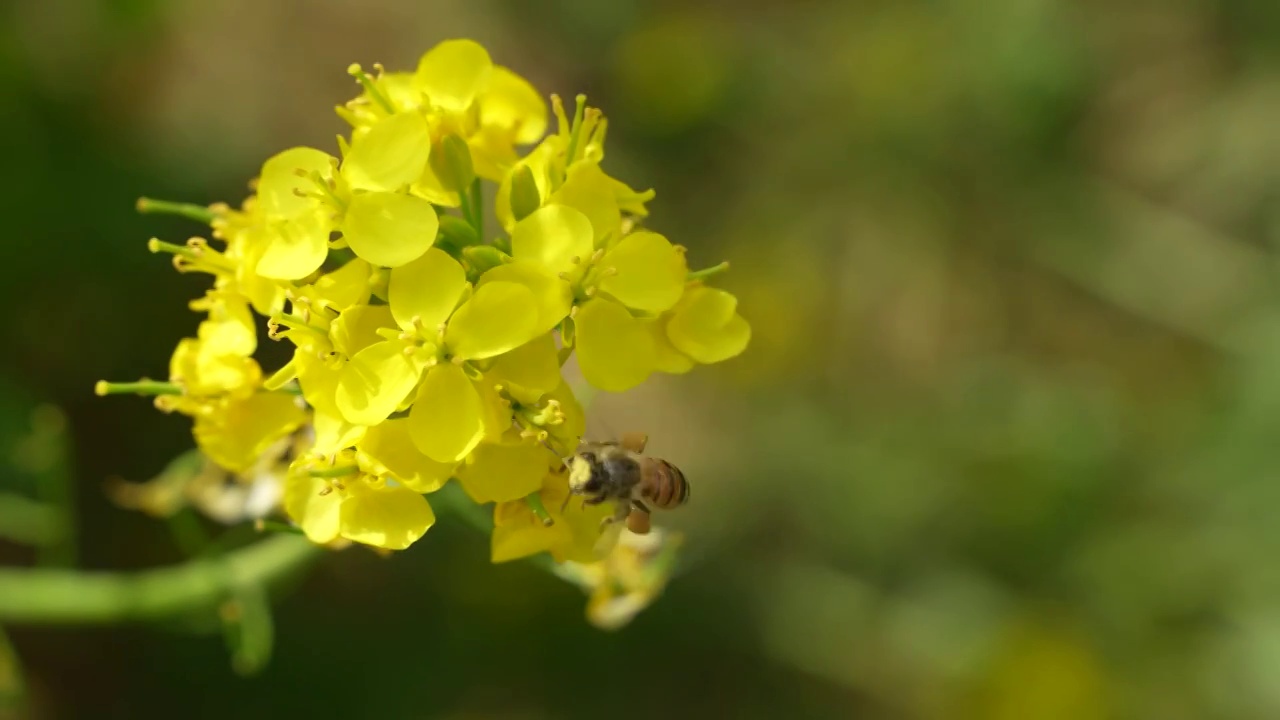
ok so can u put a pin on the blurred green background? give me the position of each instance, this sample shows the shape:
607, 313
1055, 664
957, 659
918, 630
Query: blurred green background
1004, 445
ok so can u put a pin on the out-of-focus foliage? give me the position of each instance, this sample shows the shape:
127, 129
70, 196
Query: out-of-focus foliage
1002, 446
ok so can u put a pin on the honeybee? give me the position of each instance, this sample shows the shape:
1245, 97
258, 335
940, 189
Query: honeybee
603, 471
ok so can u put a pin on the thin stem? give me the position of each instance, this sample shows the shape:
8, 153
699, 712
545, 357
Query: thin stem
477, 207
708, 272
142, 387
40, 596
188, 534
275, 526
191, 211
539, 510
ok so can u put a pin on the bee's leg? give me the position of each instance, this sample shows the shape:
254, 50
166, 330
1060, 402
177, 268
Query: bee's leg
634, 441
640, 506
619, 514
638, 523
594, 500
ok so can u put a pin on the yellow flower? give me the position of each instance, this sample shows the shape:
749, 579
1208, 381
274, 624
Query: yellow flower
295, 222
235, 432
444, 324
575, 532
565, 170
642, 273
707, 327
417, 362
351, 499
628, 579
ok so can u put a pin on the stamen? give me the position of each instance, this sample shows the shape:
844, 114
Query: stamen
575, 131
360, 75
334, 472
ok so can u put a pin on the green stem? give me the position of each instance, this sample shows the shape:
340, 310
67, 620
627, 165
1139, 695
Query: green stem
191, 211
274, 526
708, 272
188, 534
142, 387
477, 207
47, 597
539, 510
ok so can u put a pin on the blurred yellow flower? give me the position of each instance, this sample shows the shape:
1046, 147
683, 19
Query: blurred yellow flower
628, 579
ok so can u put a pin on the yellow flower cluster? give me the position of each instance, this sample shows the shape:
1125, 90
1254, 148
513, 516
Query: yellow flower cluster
427, 348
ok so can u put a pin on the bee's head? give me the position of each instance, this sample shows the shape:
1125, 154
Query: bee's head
583, 478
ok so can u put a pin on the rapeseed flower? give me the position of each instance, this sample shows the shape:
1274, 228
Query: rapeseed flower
429, 347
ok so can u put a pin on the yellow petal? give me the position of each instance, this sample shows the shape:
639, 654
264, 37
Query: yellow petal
265, 294
279, 179
523, 535
296, 247
615, 350
446, 420
388, 446
357, 328
374, 382
492, 153
427, 288
706, 326
499, 317
235, 433
514, 106
229, 329
557, 237
389, 229
552, 296
344, 287
587, 188
431, 188
498, 472
318, 381
316, 511
496, 412
333, 434
390, 155
529, 371
667, 358
385, 516
453, 73
644, 271
399, 89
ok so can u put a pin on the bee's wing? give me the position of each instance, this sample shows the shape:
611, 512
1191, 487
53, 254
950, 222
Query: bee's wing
634, 441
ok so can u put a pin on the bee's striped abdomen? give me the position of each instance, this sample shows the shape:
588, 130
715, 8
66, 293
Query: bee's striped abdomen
669, 487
